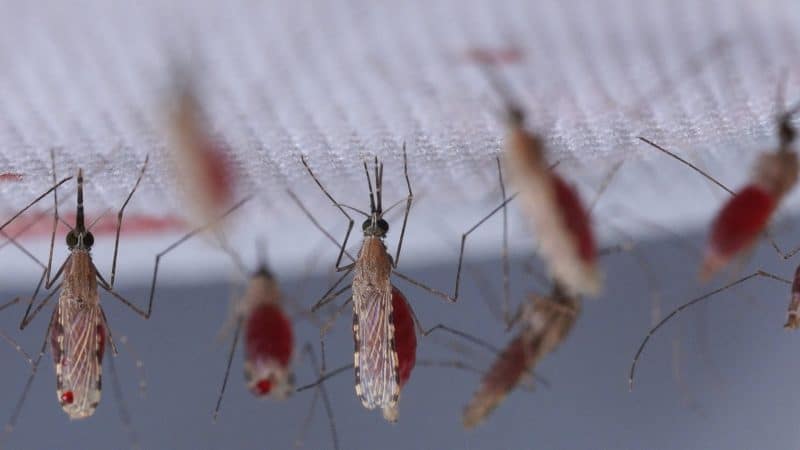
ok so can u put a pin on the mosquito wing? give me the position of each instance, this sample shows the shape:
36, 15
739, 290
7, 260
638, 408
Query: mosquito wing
78, 342
375, 359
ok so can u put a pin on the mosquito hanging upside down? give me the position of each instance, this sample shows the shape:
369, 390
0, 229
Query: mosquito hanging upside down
744, 217
384, 348
78, 330
563, 228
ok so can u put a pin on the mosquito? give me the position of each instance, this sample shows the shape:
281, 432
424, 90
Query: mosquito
376, 322
745, 216
201, 161
545, 321
269, 344
559, 218
78, 329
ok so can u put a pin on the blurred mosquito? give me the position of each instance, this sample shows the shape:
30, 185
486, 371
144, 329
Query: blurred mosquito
745, 216
201, 161
78, 328
545, 321
269, 344
375, 321
559, 218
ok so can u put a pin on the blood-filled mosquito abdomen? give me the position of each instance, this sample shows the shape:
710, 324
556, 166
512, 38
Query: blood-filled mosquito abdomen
737, 226
269, 342
575, 219
268, 334
405, 337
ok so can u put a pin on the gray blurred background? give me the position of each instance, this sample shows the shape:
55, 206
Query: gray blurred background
722, 375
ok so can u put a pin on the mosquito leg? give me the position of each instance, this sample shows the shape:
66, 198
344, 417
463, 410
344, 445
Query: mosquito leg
29, 316
119, 220
480, 343
13, 343
326, 327
430, 290
325, 377
139, 364
124, 414
109, 333
316, 223
759, 273
504, 252
329, 296
21, 402
172, 246
55, 220
338, 206
464, 242
409, 201
236, 334
11, 302
308, 350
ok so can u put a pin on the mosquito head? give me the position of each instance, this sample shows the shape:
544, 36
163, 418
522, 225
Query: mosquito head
514, 116
80, 239
264, 272
786, 131
375, 226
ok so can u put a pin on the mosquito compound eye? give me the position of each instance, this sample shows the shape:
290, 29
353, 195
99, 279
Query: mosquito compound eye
88, 239
72, 239
365, 226
383, 226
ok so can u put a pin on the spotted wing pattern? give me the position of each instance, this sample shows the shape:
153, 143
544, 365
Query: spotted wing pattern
376, 363
78, 341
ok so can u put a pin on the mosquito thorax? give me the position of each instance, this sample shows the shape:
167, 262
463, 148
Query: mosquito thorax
776, 172
262, 288
375, 226
786, 133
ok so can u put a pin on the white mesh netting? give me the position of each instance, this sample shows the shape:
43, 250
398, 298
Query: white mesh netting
338, 81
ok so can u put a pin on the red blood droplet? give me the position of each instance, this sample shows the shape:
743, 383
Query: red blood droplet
268, 335
10, 176
67, 398
575, 218
737, 225
263, 387
405, 338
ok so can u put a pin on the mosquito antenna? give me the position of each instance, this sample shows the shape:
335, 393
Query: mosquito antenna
371, 193
79, 225
379, 183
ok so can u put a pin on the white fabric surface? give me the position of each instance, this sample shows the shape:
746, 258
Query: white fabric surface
339, 81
